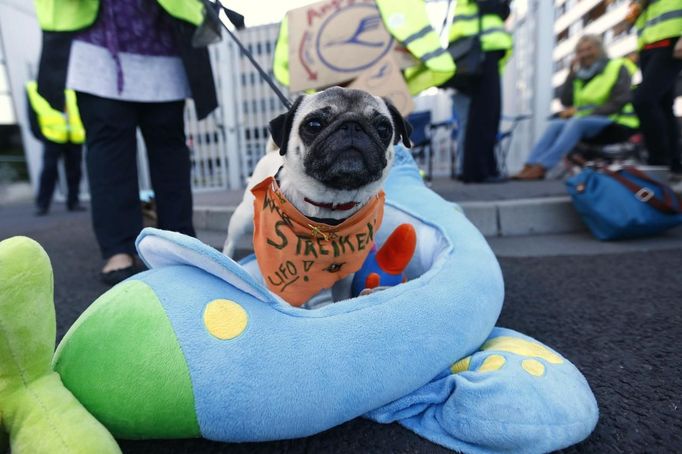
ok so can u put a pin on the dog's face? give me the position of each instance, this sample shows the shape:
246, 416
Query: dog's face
339, 139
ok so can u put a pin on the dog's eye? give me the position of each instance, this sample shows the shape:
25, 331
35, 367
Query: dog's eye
384, 130
314, 125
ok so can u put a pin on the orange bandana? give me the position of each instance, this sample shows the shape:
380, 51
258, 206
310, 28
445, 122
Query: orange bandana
299, 257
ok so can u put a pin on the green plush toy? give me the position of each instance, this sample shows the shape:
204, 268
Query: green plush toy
36, 410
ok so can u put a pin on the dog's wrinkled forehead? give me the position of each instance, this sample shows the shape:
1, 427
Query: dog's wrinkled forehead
337, 100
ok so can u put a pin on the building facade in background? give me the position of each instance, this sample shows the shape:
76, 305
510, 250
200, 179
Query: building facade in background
7, 116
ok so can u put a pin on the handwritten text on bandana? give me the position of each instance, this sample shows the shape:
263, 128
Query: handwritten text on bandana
299, 257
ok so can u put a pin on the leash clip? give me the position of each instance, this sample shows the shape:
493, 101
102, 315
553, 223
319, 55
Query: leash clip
317, 232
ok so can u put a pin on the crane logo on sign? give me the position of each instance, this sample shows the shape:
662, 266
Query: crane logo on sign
334, 41
365, 39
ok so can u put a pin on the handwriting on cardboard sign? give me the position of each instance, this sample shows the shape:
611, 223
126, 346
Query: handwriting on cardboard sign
320, 10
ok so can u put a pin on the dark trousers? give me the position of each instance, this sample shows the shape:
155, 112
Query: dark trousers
73, 155
653, 102
479, 161
112, 168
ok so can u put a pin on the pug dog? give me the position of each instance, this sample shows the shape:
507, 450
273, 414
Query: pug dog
328, 158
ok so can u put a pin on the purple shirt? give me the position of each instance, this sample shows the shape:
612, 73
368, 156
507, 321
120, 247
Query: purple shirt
138, 27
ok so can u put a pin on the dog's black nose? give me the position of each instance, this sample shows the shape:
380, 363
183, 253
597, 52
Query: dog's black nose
351, 126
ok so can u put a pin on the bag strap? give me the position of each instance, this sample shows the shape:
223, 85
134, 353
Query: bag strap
669, 204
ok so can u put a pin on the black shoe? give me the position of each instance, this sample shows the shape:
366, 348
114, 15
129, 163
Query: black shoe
76, 207
114, 277
495, 179
485, 180
41, 211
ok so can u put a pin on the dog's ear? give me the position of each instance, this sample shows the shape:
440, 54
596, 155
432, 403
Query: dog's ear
402, 127
280, 127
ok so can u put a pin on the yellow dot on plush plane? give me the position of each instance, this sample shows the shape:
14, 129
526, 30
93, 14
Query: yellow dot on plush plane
522, 347
492, 363
461, 366
225, 319
533, 367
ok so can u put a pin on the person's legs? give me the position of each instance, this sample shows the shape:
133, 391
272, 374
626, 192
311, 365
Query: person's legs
162, 126
48, 176
479, 161
112, 174
574, 130
554, 128
73, 155
659, 73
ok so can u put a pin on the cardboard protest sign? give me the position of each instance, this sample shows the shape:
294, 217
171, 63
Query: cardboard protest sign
334, 41
384, 79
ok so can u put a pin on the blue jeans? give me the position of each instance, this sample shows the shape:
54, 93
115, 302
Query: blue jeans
562, 135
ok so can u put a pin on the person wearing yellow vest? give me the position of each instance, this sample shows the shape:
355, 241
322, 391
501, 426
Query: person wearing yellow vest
659, 33
596, 94
408, 22
132, 65
486, 19
62, 134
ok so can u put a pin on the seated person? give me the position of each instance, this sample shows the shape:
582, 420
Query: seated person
596, 94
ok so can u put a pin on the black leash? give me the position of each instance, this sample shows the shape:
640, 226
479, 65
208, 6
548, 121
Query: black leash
213, 9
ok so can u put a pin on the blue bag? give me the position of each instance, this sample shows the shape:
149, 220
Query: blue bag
625, 203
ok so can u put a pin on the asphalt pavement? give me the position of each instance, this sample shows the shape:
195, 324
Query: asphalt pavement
616, 315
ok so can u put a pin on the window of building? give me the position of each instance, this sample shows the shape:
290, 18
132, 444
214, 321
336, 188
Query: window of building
594, 14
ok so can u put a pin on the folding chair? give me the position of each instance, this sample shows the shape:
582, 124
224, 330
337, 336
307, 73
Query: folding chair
421, 139
504, 139
616, 143
453, 124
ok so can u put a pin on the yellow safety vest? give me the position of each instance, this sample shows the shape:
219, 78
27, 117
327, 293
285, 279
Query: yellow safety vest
465, 23
57, 126
280, 64
587, 97
406, 21
660, 20
70, 15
